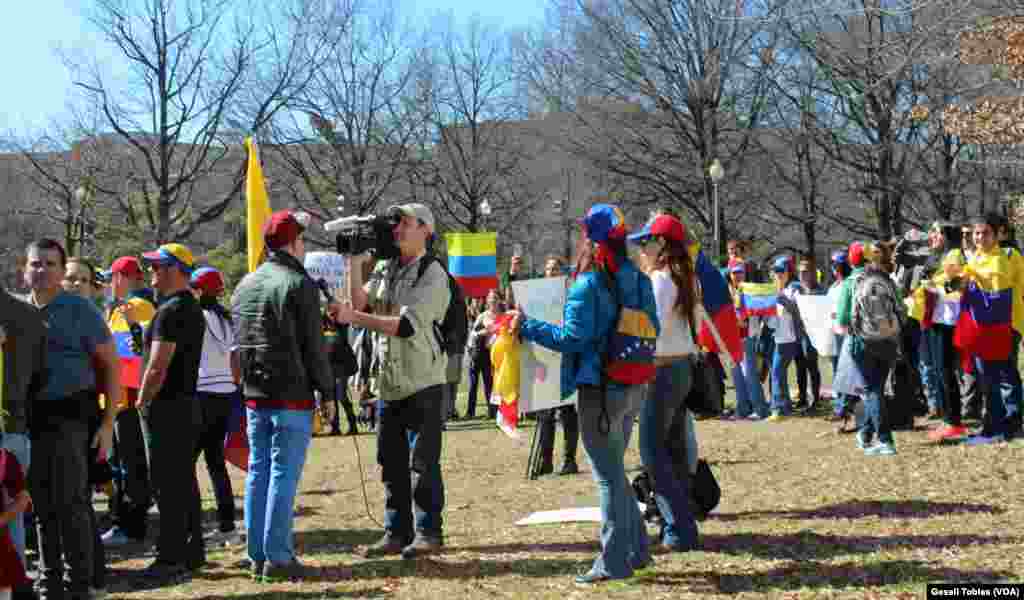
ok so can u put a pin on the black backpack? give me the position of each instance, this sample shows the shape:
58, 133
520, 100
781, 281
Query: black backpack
453, 332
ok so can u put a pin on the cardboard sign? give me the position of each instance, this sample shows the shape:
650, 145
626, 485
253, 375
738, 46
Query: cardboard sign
541, 369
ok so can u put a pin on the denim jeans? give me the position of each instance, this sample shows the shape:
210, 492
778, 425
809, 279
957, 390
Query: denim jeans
409, 454
665, 398
876, 418
749, 394
1013, 382
19, 445
1000, 390
781, 357
623, 534
932, 367
278, 441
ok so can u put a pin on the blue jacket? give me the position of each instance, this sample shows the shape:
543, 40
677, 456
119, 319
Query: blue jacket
587, 322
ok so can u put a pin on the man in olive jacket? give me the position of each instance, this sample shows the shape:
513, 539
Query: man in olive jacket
278, 324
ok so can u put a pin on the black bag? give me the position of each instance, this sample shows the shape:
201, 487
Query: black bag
342, 357
706, 397
704, 489
453, 331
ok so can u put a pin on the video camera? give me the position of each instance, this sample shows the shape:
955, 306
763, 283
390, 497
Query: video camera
372, 233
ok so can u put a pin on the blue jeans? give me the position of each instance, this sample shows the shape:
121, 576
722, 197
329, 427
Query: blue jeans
932, 367
623, 534
278, 440
749, 394
781, 357
409, 453
876, 416
663, 407
19, 445
1013, 382
996, 377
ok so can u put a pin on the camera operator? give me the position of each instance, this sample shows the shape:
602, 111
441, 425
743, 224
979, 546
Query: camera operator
403, 303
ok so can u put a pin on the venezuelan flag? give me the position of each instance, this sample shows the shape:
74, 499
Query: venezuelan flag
758, 299
473, 261
718, 304
131, 363
236, 442
985, 328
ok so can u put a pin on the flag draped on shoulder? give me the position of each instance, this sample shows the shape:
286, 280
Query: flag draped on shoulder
257, 206
505, 360
473, 262
758, 299
719, 306
984, 328
130, 362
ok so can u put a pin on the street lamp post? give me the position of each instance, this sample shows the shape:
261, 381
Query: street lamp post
485, 211
716, 173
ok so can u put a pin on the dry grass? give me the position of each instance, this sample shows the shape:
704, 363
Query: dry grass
804, 515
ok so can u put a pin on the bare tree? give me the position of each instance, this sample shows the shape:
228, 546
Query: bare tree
198, 75
349, 131
661, 86
471, 143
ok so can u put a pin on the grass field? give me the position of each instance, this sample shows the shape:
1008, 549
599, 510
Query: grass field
803, 515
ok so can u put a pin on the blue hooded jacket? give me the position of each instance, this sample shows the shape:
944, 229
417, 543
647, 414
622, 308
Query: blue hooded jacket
587, 322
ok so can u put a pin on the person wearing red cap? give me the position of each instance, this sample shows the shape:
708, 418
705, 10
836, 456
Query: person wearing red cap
284, 361
405, 299
132, 311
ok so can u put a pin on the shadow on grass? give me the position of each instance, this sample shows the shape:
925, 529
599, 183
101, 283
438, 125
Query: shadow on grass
468, 569
334, 541
377, 592
589, 547
807, 545
819, 575
857, 509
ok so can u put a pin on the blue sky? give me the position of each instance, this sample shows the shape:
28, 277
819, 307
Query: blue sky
37, 85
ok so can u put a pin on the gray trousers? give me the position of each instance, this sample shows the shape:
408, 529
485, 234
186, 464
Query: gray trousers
59, 486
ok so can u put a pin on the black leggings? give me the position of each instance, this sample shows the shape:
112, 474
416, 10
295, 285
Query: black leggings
217, 410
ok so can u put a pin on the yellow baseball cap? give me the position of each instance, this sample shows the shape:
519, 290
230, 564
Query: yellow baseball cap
171, 254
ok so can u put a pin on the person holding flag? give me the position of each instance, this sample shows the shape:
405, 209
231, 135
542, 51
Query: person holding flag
130, 315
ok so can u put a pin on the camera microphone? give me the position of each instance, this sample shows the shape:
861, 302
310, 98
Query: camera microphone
339, 224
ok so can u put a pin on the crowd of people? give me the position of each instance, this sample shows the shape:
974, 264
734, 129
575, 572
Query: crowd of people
132, 386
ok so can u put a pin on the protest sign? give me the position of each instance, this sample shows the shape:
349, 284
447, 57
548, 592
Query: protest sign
540, 368
816, 312
329, 266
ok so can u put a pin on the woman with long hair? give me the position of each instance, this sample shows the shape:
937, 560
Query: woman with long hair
588, 321
664, 244
217, 390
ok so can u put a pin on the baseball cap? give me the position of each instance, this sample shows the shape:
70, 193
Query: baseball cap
737, 266
126, 265
839, 257
860, 252
283, 227
665, 226
171, 254
783, 264
417, 211
604, 221
207, 280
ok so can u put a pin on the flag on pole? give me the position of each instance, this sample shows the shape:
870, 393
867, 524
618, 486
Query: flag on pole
473, 262
257, 205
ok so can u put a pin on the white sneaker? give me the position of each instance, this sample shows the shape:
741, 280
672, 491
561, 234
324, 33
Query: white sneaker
754, 417
97, 593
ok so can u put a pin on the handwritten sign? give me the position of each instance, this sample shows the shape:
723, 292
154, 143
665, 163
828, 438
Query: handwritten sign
540, 368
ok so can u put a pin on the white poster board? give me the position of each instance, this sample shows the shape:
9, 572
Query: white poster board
816, 312
329, 266
541, 369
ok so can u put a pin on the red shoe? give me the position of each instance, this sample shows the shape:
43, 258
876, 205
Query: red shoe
948, 432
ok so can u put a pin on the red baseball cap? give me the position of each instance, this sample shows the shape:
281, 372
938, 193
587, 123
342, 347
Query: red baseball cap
207, 280
127, 265
283, 227
665, 226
